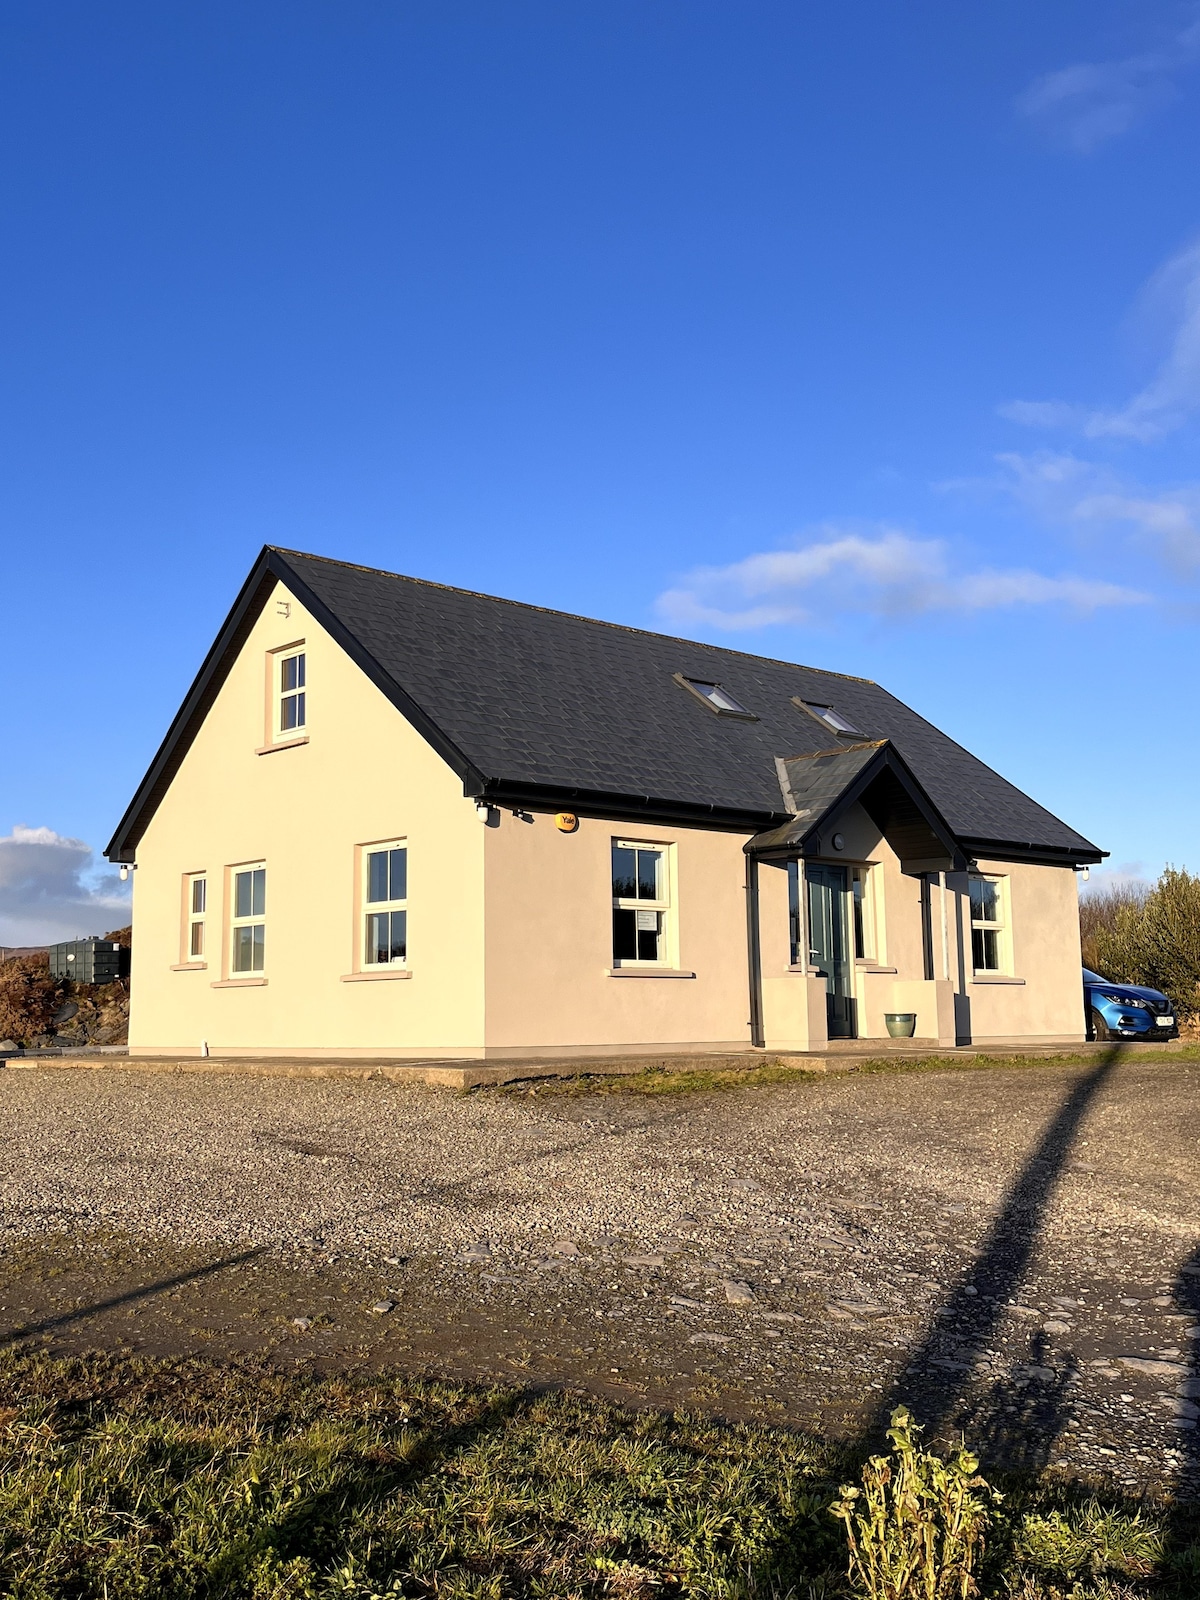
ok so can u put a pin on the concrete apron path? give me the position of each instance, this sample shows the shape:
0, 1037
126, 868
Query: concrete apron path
844, 1056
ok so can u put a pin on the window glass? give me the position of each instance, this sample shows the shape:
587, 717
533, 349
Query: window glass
985, 900
720, 699
197, 900
859, 891
835, 719
985, 949
387, 937
624, 863
795, 915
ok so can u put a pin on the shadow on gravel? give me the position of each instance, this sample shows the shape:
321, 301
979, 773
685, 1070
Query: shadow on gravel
1018, 1423
48, 1324
1183, 1548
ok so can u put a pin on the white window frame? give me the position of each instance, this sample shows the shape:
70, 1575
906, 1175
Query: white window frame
662, 907
371, 908
1001, 927
254, 919
283, 695
195, 916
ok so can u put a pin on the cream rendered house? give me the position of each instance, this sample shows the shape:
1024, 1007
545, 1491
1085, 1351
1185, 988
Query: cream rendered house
394, 819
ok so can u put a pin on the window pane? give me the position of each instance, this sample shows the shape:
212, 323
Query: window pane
242, 894
299, 671
985, 900
196, 943
260, 892
199, 895
649, 865
259, 934
299, 722
647, 937
377, 876
624, 935
624, 870
398, 942
398, 874
288, 679
287, 713
378, 938
860, 940
794, 928
243, 949
985, 949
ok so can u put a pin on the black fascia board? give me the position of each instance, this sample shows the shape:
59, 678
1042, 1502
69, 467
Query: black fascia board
270, 568
1046, 855
618, 807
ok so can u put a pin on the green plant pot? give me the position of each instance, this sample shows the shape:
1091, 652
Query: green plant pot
901, 1024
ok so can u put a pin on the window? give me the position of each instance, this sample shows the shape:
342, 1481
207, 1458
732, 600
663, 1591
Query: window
196, 891
385, 940
292, 716
864, 922
988, 924
641, 900
716, 697
831, 718
249, 927
795, 916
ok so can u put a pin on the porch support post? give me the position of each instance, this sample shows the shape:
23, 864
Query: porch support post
805, 934
945, 929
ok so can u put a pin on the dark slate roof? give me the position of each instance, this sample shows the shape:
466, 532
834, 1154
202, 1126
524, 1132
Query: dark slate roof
523, 700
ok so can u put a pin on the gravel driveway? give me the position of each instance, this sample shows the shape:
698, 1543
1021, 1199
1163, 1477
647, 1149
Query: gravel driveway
1014, 1251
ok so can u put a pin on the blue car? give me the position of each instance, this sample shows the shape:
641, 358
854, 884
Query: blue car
1125, 1011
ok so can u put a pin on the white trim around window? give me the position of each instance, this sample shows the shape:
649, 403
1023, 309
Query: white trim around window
991, 925
643, 923
383, 923
195, 919
248, 920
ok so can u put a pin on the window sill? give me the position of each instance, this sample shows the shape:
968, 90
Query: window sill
871, 966
995, 977
191, 966
647, 972
376, 977
280, 744
238, 983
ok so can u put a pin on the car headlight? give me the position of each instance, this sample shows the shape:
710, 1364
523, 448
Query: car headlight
1120, 1000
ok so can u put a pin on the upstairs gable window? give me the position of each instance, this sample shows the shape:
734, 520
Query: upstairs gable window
292, 709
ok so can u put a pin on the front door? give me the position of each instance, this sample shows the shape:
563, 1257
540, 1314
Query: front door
827, 951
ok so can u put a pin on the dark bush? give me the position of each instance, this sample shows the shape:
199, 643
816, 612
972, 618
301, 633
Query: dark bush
1148, 937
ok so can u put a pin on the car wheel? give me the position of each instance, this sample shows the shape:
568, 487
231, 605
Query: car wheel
1100, 1028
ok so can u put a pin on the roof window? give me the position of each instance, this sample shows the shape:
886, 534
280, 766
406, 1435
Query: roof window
716, 697
831, 718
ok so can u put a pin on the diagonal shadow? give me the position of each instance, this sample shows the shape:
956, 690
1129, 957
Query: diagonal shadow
47, 1324
1182, 1555
941, 1368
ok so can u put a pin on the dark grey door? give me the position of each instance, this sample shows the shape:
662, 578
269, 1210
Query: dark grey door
827, 952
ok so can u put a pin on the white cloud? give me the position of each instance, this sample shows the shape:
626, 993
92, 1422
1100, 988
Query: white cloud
1172, 394
1072, 492
1087, 104
890, 574
50, 889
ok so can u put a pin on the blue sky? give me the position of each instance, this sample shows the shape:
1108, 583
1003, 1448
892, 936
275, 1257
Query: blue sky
863, 335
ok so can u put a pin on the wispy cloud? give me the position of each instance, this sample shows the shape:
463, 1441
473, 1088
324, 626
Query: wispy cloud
1173, 393
1090, 102
887, 572
50, 889
1071, 492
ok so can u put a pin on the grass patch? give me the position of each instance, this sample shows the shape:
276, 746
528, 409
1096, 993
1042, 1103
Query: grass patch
696, 1080
185, 1479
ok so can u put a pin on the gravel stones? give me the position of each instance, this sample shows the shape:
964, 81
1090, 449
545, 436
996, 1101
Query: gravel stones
737, 1293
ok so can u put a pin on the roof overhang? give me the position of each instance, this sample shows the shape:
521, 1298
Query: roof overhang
821, 788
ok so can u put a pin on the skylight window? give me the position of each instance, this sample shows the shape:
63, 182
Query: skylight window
831, 718
715, 696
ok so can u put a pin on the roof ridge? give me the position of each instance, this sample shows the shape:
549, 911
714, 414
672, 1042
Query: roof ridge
574, 616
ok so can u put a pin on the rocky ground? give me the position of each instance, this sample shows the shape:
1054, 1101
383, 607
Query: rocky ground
1012, 1251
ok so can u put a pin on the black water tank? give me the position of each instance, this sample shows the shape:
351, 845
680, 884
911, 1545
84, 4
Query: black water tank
89, 960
